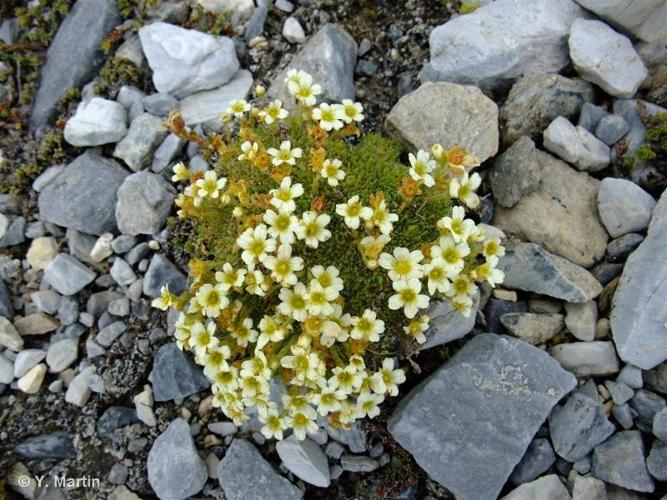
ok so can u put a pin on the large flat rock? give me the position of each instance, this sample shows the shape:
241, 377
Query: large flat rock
470, 423
639, 310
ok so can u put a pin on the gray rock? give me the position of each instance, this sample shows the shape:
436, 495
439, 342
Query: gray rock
620, 461
588, 488
46, 301
67, 275
329, 56
15, 233
499, 392
187, 61
6, 307
128, 95
99, 302
500, 42
255, 25
446, 324
174, 375
161, 271
26, 360
586, 359
78, 393
536, 100
144, 202
358, 463
334, 450
631, 376
639, 312
581, 319
114, 418
623, 206
207, 106
646, 405
559, 215
578, 426
620, 248
145, 134
111, 332
96, 122
660, 425
657, 461
122, 273
74, 55
56, 445
159, 104
619, 392
538, 459
6, 370
354, 437
611, 128
119, 307
515, 173
293, 31
172, 458
306, 460
166, 152
447, 114
83, 197
531, 268
606, 58
62, 354
624, 415
244, 474
545, 488
632, 111
590, 116
123, 243
576, 145
531, 327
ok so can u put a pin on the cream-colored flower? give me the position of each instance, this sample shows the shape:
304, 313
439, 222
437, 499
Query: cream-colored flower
181, 172
488, 272
463, 286
332, 172
390, 377
283, 266
283, 197
403, 264
202, 338
304, 364
249, 151
345, 379
464, 188
493, 248
462, 304
319, 299
294, 302
352, 111
457, 225
408, 297
371, 247
368, 405
312, 228
450, 254
417, 327
286, 154
271, 331
238, 107
274, 423
353, 211
210, 185
421, 167
367, 327
244, 333
282, 225
383, 219
436, 273
165, 300
273, 112
212, 299
330, 116
328, 278
255, 244
215, 360
303, 422
255, 282
328, 400
300, 85
230, 277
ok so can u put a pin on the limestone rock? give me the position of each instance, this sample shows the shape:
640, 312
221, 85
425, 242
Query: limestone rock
96, 122
576, 145
144, 202
623, 206
516, 172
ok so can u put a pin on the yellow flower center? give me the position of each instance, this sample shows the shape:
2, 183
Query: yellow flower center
408, 296
403, 266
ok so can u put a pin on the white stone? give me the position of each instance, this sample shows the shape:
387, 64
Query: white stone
62, 354
102, 248
96, 122
239, 10
604, 57
187, 61
306, 460
31, 382
545, 488
78, 393
26, 360
6, 370
576, 145
623, 206
293, 31
646, 19
9, 336
4, 224
41, 252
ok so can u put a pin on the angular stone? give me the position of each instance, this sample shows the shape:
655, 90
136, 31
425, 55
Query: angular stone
74, 55
581, 319
619, 392
144, 202
187, 61
161, 271
611, 129
166, 152
111, 332
83, 197
538, 459
9, 336
587, 359
329, 56
531, 327
588, 488
590, 116
62, 354
499, 391
578, 426
293, 31
446, 324
68, 275
306, 460
174, 375
502, 41
606, 58
172, 458
660, 425
536, 100
207, 107
358, 463
159, 104
27, 359
545, 488
639, 311
57, 445
560, 214
114, 418
78, 393
31, 382
657, 461
244, 474
447, 114
145, 134
35, 324
620, 248
623, 206
96, 122
576, 145
646, 405
516, 172
531, 268
620, 461
354, 437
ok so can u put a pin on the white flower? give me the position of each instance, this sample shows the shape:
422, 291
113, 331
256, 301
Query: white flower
285, 154
352, 111
403, 265
230, 277
390, 377
328, 279
181, 172
489, 273
255, 282
458, 226
437, 274
319, 299
293, 80
462, 304
165, 300
244, 333
203, 338
464, 189
462, 286
383, 219
305, 364
271, 331
328, 400
273, 112
352, 211
249, 151
294, 302
284, 196
330, 116
417, 327
210, 185
408, 297
283, 266
282, 225
237, 107
303, 89
212, 299
345, 379
255, 244
303, 422
367, 327
493, 248
450, 254
332, 172
367, 405
421, 167
274, 424
312, 228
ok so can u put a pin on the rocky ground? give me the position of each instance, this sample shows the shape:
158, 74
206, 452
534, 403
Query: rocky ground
555, 389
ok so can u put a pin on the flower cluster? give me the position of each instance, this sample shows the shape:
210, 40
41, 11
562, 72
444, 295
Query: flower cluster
313, 271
